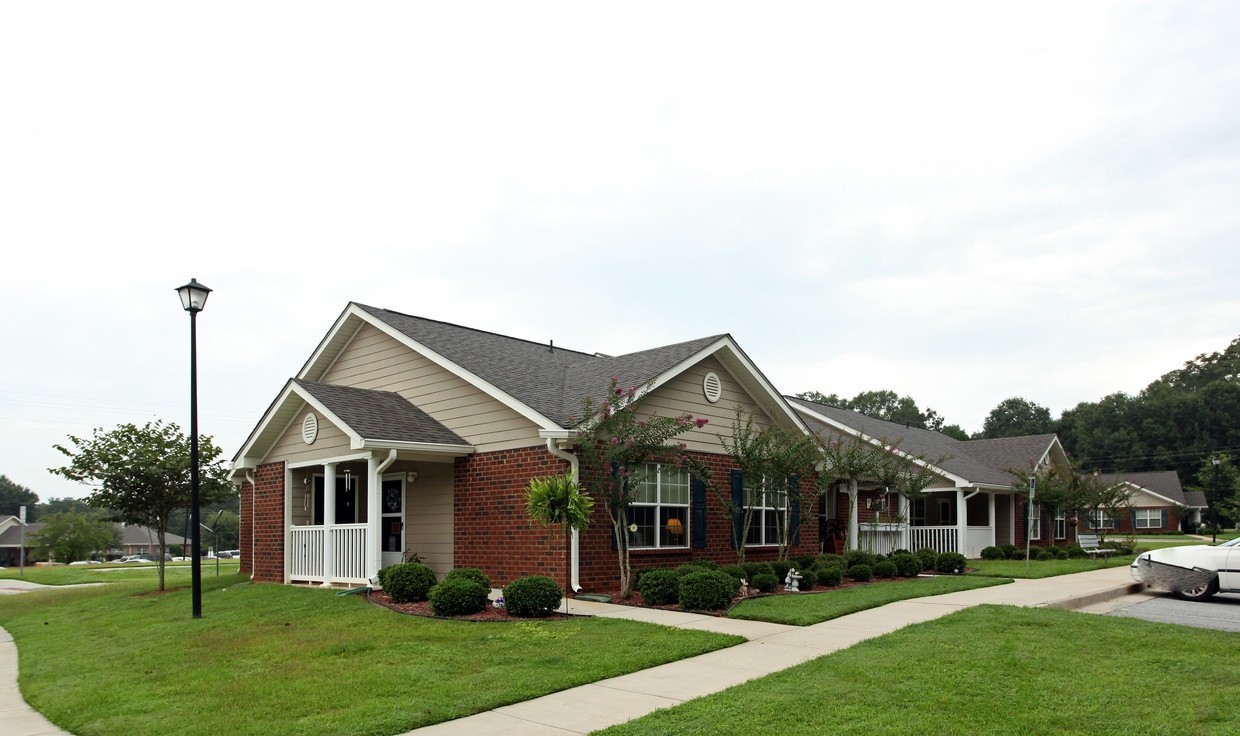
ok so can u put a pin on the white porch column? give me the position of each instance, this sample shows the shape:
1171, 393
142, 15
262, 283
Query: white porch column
373, 553
993, 520
288, 524
854, 529
961, 518
902, 505
329, 520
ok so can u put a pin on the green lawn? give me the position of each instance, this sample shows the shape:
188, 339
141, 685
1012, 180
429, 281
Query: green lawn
178, 573
1043, 568
267, 659
988, 670
814, 607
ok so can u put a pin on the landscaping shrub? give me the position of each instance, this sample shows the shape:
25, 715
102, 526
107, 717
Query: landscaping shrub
662, 587
1045, 555
383, 576
1076, 551
828, 558
735, 571
854, 557
754, 569
830, 576
781, 568
1061, 553
900, 551
1034, 551
765, 582
459, 596
469, 573
807, 562
993, 553
929, 558
409, 582
809, 578
1012, 552
1119, 547
885, 569
696, 566
532, 597
708, 590
952, 562
860, 573
908, 565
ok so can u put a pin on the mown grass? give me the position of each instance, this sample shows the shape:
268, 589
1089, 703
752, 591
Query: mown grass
177, 573
988, 670
268, 659
814, 607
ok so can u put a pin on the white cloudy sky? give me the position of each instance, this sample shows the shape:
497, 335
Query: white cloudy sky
957, 201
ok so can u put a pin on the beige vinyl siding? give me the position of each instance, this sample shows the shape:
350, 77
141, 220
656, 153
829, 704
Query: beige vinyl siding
1141, 499
428, 516
683, 395
291, 448
375, 360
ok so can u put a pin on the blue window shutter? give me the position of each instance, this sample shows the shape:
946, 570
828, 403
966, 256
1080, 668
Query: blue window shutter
1134, 520
794, 487
1164, 518
614, 547
738, 500
697, 515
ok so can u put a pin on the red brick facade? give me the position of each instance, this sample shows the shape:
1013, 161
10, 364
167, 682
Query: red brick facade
262, 524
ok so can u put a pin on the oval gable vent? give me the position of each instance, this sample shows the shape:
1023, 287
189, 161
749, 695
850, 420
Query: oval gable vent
310, 428
712, 387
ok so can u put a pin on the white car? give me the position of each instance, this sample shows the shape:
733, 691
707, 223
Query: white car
1194, 572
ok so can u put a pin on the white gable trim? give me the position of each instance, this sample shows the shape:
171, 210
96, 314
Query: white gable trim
1138, 488
320, 362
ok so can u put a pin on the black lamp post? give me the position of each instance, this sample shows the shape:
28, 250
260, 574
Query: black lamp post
193, 299
1214, 502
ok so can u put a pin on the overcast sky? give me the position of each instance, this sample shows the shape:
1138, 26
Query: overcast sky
961, 202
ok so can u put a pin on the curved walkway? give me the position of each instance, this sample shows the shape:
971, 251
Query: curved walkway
770, 648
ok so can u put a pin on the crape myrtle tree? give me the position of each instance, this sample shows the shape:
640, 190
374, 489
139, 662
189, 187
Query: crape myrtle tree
1074, 491
772, 459
615, 443
141, 475
848, 460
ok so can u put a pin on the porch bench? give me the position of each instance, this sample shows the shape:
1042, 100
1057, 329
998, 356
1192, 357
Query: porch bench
1089, 543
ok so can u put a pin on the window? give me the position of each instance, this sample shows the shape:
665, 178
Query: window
661, 509
877, 504
1035, 522
1149, 518
947, 512
767, 508
917, 512
1100, 519
1061, 523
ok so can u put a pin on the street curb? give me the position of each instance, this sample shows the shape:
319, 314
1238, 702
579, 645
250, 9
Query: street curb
1080, 601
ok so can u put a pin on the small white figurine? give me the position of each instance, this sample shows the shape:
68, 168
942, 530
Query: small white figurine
792, 582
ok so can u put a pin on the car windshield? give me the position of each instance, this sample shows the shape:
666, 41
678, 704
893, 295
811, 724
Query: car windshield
1230, 542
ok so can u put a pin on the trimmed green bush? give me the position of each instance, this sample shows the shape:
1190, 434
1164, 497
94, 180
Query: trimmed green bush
534, 596
1061, 553
1034, 551
754, 569
809, 578
830, 576
1076, 551
929, 558
827, 559
1012, 551
708, 590
854, 557
735, 571
469, 573
695, 566
662, 587
885, 569
781, 568
950, 562
807, 562
765, 582
993, 553
459, 596
908, 565
1045, 555
861, 573
409, 582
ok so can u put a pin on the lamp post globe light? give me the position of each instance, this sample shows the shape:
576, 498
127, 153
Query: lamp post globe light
193, 299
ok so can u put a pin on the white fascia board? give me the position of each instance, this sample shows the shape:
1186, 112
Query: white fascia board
328, 460
431, 448
960, 481
243, 459
355, 439
727, 344
486, 387
1142, 489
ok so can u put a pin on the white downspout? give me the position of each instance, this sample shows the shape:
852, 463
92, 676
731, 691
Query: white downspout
249, 478
374, 554
573, 470
962, 515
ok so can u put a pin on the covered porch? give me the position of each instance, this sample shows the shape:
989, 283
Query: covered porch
959, 520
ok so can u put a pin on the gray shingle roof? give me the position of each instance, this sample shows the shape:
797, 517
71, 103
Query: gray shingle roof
380, 415
1196, 499
978, 461
552, 382
1165, 483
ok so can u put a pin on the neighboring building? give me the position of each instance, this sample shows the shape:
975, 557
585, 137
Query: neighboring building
135, 540
972, 503
1156, 503
11, 541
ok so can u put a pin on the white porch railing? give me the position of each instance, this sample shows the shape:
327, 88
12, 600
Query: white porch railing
937, 538
305, 554
880, 539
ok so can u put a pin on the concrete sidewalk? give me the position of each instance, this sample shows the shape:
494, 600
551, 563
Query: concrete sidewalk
770, 648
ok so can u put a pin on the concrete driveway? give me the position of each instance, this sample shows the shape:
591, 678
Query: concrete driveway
1221, 612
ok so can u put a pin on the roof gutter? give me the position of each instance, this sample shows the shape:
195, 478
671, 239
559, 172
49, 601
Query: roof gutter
573, 471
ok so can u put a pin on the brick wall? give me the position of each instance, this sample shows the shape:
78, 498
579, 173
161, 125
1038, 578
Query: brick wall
245, 529
267, 499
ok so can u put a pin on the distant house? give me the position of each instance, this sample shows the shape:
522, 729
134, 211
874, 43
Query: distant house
135, 540
1157, 503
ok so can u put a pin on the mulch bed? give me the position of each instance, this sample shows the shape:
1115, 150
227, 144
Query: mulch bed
423, 608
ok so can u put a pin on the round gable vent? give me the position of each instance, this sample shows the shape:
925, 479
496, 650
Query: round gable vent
712, 387
310, 428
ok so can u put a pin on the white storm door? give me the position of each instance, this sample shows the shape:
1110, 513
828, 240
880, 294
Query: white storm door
392, 519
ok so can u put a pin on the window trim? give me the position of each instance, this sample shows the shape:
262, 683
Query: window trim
1157, 518
1034, 523
757, 515
659, 505
1061, 523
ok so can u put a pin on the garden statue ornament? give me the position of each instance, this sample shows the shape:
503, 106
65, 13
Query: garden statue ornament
792, 582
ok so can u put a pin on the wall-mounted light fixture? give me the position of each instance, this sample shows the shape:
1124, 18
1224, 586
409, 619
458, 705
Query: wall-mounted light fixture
411, 477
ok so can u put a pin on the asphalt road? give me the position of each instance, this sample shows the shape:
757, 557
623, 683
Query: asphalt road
1221, 612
